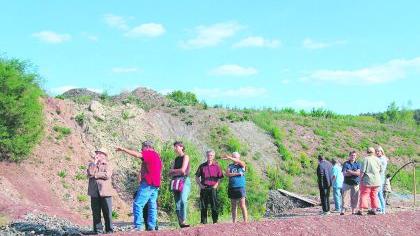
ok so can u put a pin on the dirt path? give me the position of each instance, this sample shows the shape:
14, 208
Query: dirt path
399, 223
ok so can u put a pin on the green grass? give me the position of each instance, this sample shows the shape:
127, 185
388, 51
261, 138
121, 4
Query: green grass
80, 176
62, 174
82, 198
61, 131
80, 118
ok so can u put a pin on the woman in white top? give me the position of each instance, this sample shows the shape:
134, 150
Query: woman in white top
384, 162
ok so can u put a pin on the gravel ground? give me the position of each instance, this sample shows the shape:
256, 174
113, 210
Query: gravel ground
398, 223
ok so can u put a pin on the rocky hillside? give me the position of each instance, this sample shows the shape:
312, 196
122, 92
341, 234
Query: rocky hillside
80, 121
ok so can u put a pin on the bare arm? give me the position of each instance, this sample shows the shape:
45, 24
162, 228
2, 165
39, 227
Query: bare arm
236, 160
197, 179
129, 152
183, 169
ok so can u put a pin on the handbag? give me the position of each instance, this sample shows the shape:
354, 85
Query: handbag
177, 184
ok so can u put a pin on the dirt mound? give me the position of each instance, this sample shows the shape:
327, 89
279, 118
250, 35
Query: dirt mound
79, 92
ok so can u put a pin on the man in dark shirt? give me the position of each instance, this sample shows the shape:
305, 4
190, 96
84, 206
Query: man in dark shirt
351, 172
207, 177
324, 173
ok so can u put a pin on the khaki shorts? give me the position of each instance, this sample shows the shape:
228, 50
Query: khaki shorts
350, 194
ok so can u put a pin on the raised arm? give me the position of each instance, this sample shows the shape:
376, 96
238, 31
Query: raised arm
129, 152
235, 160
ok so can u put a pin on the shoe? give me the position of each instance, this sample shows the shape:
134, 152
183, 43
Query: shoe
326, 213
341, 213
184, 225
359, 213
371, 212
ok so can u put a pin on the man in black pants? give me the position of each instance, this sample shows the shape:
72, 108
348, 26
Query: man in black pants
207, 177
100, 191
324, 173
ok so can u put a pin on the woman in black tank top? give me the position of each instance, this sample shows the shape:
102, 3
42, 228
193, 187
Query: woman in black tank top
181, 168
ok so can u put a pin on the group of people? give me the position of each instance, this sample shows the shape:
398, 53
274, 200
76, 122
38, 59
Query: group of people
207, 177
356, 185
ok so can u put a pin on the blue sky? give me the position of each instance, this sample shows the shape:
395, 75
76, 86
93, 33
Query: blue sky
346, 56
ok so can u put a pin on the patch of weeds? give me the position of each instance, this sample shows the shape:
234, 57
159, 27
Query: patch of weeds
182, 110
85, 99
278, 180
115, 215
62, 174
82, 198
80, 118
61, 132
80, 176
305, 161
82, 167
189, 122
257, 156
404, 151
364, 144
65, 184
67, 196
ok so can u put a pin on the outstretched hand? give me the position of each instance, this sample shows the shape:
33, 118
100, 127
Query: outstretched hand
118, 149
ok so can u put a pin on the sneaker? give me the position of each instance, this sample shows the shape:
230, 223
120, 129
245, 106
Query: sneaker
184, 225
326, 213
359, 213
341, 213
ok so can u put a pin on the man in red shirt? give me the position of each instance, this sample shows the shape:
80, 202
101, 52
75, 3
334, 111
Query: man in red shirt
207, 177
147, 193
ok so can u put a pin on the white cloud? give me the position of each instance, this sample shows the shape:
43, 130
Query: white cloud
212, 35
63, 89
256, 41
146, 30
242, 92
51, 37
234, 70
124, 69
116, 22
311, 44
390, 71
306, 104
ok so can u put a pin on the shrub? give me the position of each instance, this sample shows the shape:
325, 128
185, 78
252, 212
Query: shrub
21, 118
278, 180
82, 198
62, 173
183, 98
61, 132
115, 215
80, 176
182, 110
80, 118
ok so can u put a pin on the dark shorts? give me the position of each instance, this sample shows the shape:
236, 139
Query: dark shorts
236, 193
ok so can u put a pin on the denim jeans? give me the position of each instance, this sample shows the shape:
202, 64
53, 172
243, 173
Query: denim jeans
337, 198
181, 200
381, 198
146, 194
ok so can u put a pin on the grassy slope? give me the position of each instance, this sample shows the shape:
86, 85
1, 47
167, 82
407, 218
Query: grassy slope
305, 137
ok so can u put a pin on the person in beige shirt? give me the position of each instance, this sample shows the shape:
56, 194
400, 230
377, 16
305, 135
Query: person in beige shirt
370, 174
99, 173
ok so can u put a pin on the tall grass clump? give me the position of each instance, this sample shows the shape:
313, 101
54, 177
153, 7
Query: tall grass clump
183, 98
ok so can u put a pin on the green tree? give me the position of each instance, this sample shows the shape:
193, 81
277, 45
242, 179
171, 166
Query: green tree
21, 118
183, 98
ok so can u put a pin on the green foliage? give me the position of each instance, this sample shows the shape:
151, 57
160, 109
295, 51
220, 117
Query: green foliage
115, 215
61, 131
292, 167
305, 161
277, 179
62, 173
182, 110
405, 151
183, 98
403, 181
80, 118
82, 198
80, 176
21, 118
126, 115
